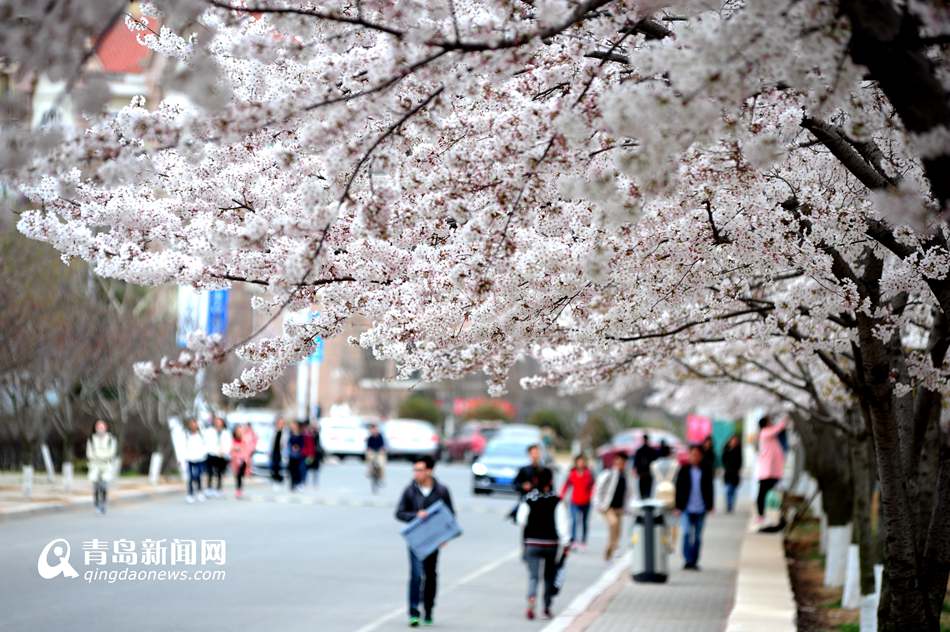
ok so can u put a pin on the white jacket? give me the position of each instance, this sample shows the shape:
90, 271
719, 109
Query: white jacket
218, 443
195, 448
101, 453
606, 485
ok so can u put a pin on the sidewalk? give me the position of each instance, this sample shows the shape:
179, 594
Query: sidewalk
687, 602
48, 497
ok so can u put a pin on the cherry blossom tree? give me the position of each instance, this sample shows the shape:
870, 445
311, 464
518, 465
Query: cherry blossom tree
606, 186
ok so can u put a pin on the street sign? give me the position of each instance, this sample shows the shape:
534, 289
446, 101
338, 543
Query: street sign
217, 312
201, 311
316, 356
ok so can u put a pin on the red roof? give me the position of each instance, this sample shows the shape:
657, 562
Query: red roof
120, 51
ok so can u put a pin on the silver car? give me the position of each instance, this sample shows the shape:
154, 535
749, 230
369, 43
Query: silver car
411, 438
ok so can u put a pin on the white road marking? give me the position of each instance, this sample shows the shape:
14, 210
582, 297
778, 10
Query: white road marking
580, 603
478, 572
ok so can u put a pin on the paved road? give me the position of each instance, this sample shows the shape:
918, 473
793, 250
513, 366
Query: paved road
330, 559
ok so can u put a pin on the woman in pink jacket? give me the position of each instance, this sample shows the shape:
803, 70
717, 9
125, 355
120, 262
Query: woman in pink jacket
771, 460
242, 450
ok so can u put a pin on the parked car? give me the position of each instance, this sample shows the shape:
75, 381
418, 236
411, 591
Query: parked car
344, 436
411, 438
505, 454
629, 440
470, 441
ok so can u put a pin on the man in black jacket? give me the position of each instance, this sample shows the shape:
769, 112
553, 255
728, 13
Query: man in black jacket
527, 477
643, 458
694, 499
422, 493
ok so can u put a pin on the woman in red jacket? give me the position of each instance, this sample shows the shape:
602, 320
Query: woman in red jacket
581, 479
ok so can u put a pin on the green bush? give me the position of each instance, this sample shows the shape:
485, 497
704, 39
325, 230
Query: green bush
487, 412
546, 418
421, 407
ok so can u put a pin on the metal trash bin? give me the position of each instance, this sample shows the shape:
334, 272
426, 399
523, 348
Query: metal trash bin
652, 542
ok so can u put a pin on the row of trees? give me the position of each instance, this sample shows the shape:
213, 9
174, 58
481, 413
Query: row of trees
65, 360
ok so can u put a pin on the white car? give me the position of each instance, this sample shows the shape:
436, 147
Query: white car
411, 438
344, 436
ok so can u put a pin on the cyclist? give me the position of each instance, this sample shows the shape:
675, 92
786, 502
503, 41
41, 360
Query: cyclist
375, 456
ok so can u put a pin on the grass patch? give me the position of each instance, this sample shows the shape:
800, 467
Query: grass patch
832, 604
851, 627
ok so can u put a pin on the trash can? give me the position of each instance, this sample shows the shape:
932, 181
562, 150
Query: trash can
652, 541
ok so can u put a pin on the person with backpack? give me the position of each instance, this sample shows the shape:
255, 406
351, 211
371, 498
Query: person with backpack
544, 520
101, 452
731, 470
581, 481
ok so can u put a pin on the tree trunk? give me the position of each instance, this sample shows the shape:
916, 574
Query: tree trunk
904, 604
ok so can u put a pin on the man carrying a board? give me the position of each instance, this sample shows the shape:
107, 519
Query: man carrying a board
422, 493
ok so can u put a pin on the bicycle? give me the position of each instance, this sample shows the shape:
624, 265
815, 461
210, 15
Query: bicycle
375, 471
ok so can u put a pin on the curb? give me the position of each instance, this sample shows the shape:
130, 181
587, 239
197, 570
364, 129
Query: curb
115, 497
588, 605
764, 599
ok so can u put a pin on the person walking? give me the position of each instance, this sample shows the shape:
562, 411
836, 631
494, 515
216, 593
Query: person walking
101, 452
731, 470
195, 455
375, 457
296, 462
277, 454
771, 461
709, 454
420, 494
580, 480
313, 452
242, 453
694, 499
643, 458
527, 477
544, 520
611, 497
218, 441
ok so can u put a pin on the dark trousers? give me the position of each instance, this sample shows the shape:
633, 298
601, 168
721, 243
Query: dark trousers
765, 486
194, 476
533, 557
731, 489
216, 467
646, 486
692, 536
296, 466
579, 520
275, 467
239, 475
100, 493
423, 580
